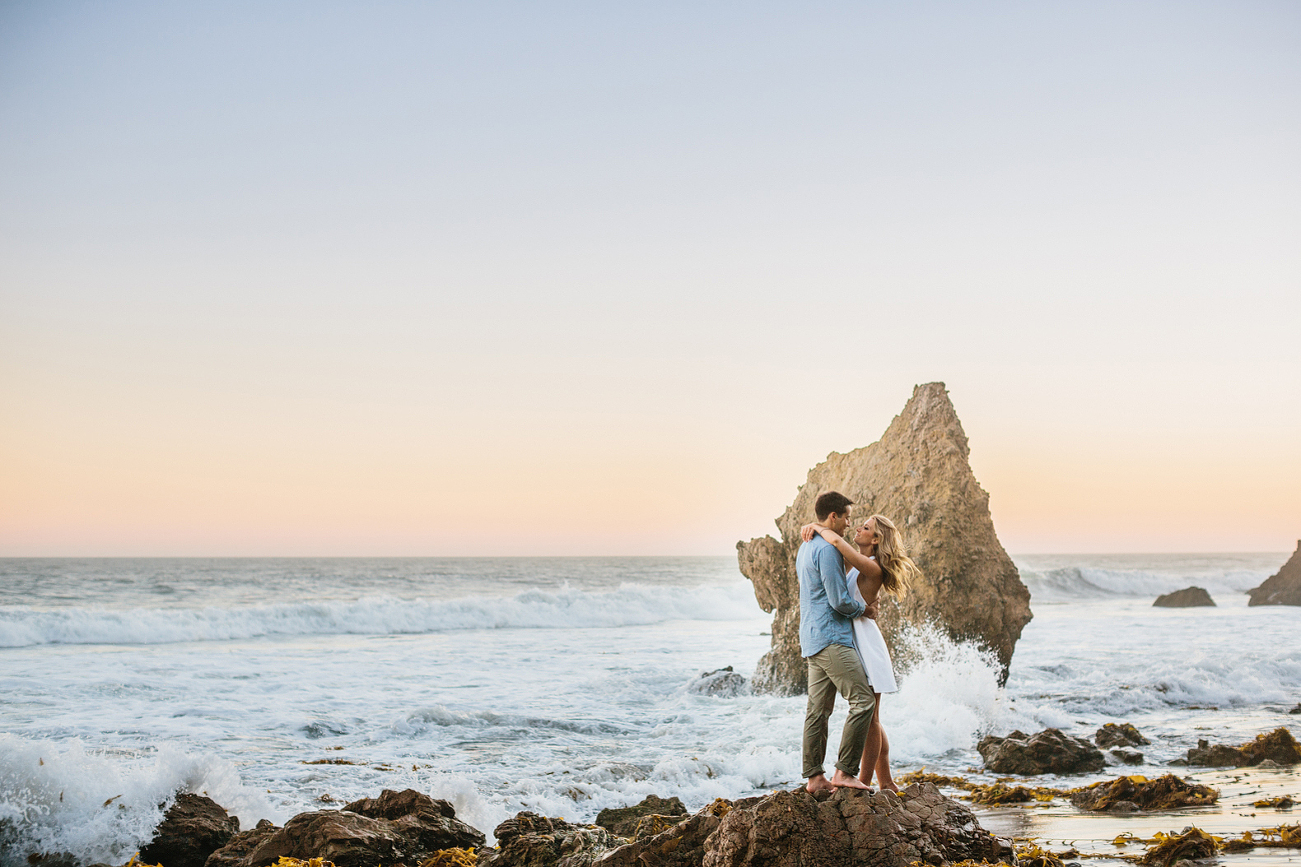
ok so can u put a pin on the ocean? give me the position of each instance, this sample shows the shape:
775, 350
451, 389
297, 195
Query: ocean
558, 685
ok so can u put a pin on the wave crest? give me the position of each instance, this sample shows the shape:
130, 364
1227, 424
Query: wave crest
564, 608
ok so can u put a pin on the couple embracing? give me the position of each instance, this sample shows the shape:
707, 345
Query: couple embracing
841, 643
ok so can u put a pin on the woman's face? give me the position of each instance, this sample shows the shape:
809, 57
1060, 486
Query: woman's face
866, 535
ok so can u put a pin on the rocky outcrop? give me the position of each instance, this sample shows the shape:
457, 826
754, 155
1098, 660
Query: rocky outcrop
918, 475
625, 821
530, 840
242, 845
193, 828
1046, 752
793, 829
1130, 794
1283, 588
784, 829
723, 683
1189, 597
395, 828
1277, 746
681, 845
1123, 735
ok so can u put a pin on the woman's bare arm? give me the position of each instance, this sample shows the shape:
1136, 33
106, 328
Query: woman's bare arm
861, 562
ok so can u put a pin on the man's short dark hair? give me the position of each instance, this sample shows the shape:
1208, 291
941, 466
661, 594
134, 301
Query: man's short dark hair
831, 501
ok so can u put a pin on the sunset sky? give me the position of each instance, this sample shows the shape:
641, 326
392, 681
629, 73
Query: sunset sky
609, 278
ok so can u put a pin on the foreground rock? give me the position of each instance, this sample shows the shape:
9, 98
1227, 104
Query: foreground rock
193, 828
530, 840
1283, 588
1131, 794
918, 475
653, 812
784, 829
1277, 746
1189, 597
395, 828
1046, 752
1123, 735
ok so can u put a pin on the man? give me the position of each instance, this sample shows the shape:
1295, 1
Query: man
827, 611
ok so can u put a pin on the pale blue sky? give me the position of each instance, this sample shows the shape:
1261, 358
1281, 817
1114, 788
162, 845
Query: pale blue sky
325, 278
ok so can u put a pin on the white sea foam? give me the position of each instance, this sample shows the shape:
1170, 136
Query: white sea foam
564, 608
98, 805
563, 701
948, 693
1050, 581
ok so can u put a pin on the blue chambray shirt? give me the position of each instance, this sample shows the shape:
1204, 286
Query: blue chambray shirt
827, 610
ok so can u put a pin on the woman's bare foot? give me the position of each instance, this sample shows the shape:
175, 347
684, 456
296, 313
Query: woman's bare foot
818, 783
889, 787
842, 780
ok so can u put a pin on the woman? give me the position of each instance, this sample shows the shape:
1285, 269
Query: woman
881, 561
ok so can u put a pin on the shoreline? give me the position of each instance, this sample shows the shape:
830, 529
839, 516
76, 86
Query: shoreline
1059, 825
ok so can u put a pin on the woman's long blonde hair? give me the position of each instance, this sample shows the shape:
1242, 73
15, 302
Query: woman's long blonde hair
897, 568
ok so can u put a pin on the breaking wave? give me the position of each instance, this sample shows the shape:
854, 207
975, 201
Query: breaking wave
564, 608
100, 805
1075, 583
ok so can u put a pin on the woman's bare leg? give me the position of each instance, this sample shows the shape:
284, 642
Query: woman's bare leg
883, 778
872, 746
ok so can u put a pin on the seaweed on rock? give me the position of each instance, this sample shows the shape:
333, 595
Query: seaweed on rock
1164, 793
1190, 844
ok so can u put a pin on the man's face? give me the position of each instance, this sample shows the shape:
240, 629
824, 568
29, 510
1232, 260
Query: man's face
838, 521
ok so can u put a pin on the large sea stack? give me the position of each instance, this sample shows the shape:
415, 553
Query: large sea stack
917, 474
1283, 588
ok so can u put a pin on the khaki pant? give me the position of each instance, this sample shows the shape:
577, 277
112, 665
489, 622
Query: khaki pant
833, 669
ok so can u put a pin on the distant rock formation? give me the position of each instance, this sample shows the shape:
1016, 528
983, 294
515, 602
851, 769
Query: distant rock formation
1123, 735
918, 475
1127, 794
1283, 588
1047, 752
1189, 597
724, 683
1277, 746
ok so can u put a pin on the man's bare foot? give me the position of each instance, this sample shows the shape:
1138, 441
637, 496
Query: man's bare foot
889, 787
842, 780
819, 783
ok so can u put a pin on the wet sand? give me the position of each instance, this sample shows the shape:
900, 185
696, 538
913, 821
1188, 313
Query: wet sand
1058, 826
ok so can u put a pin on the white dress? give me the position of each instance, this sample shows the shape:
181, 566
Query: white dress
870, 644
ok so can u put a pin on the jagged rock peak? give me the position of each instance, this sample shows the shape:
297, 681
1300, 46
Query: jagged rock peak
1283, 588
918, 475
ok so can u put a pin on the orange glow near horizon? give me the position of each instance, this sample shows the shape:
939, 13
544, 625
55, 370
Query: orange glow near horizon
391, 285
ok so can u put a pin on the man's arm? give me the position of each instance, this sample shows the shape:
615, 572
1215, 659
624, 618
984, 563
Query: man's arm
832, 571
